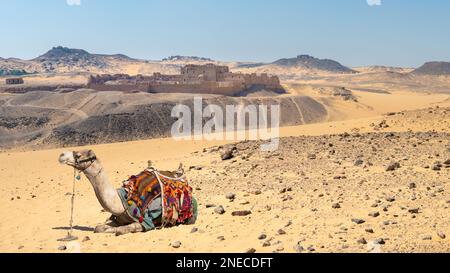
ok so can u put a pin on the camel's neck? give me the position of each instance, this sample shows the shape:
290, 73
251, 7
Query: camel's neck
106, 194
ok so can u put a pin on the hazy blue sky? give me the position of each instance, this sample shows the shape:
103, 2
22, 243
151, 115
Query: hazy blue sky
397, 32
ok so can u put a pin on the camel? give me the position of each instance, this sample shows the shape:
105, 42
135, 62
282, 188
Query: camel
120, 222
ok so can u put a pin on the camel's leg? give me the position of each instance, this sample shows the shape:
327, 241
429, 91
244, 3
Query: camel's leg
106, 228
132, 228
119, 230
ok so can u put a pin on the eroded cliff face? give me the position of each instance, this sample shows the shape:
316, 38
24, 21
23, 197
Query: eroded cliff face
88, 117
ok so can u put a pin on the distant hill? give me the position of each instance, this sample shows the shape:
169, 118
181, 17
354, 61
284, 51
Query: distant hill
187, 59
68, 57
434, 68
309, 62
67, 60
382, 69
59, 54
63, 58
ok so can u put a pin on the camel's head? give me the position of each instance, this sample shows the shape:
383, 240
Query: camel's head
80, 160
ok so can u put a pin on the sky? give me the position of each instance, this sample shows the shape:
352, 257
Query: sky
353, 32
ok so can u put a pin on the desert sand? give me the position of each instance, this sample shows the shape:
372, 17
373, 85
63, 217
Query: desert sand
292, 193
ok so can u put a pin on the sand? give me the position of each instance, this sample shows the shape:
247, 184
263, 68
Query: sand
36, 201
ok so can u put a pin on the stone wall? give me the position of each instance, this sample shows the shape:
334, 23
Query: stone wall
200, 79
12, 81
219, 88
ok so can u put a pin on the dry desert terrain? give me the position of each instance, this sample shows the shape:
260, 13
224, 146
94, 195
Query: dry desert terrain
327, 189
363, 162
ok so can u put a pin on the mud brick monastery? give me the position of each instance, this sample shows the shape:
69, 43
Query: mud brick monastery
201, 79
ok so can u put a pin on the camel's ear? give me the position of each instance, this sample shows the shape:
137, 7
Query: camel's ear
91, 154
180, 172
76, 154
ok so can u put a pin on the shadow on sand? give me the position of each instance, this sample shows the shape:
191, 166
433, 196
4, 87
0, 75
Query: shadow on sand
79, 228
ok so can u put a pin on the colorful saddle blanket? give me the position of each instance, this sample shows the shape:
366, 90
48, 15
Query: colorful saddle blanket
150, 194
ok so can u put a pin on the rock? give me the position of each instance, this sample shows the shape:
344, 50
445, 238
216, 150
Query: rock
241, 213
85, 239
280, 248
393, 166
288, 224
250, 251
281, 232
447, 162
441, 235
262, 237
380, 241
311, 156
219, 210
336, 206
62, 248
210, 206
374, 214
194, 230
412, 185
230, 196
311, 249
339, 177
369, 230
359, 162
298, 248
196, 168
266, 244
221, 238
176, 244
427, 238
414, 211
228, 153
358, 221
436, 167
390, 199
362, 241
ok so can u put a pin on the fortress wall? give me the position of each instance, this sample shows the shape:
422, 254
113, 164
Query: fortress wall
119, 87
204, 88
263, 79
200, 79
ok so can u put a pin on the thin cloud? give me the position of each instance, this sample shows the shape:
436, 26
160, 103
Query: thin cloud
374, 2
73, 2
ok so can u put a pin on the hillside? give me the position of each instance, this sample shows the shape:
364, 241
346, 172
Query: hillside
63, 60
68, 60
382, 69
309, 62
434, 68
299, 68
187, 59
50, 119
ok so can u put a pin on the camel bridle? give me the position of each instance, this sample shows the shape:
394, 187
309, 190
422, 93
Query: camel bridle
76, 176
91, 160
